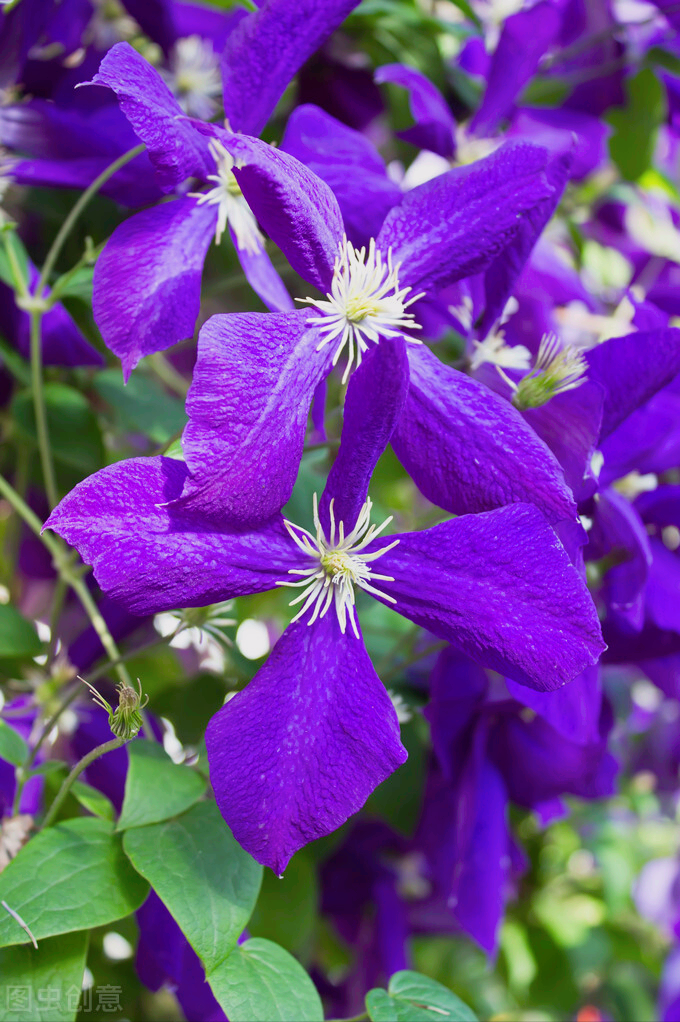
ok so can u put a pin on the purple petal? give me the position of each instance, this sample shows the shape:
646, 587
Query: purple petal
562, 130
147, 281
375, 398
175, 148
660, 506
248, 405
434, 128
262, 277
70, 148
570, 426
480, 876
149, 557
303, 746
468, 449
525, 38
458, 687
574, 711
456, 224
266, 50
631, 369
663, 586
538, 764
501, 277
349, 164
501, 587
618, 530
296, 208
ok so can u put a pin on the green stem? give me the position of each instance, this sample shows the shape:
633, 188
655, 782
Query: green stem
78, 208
101, 750
40, 409
167, 374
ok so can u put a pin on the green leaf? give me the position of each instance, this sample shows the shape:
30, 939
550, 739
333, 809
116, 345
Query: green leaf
381, 1007
142, 403
43, 985
632, 145
76, 285
205, 879
412, 997
155, 787
12, 746
70, 877
260, 982
74, 434
18, 637
93, 800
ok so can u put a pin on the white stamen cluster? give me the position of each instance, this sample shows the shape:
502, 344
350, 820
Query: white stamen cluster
365, 303
232, 207
557, 370
338, 565
194, 77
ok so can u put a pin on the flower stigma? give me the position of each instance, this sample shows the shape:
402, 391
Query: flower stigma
232, 207
340, 564
364, 304
557, 370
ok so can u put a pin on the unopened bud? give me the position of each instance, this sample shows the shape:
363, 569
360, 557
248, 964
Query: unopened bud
126, 720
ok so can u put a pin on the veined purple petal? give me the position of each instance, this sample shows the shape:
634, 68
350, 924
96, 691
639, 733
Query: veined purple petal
468, 449
147, 281
501, 277
262, 277
253, 385
349, 164
151, 558
375, 398
501, 587
266, 50
295, 207
457, 223
525, 38
175, 148
631, 369
434, 127
303, 746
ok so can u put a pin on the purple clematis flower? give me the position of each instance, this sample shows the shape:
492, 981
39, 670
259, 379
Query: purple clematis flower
147, 279
300, 749
255, 375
